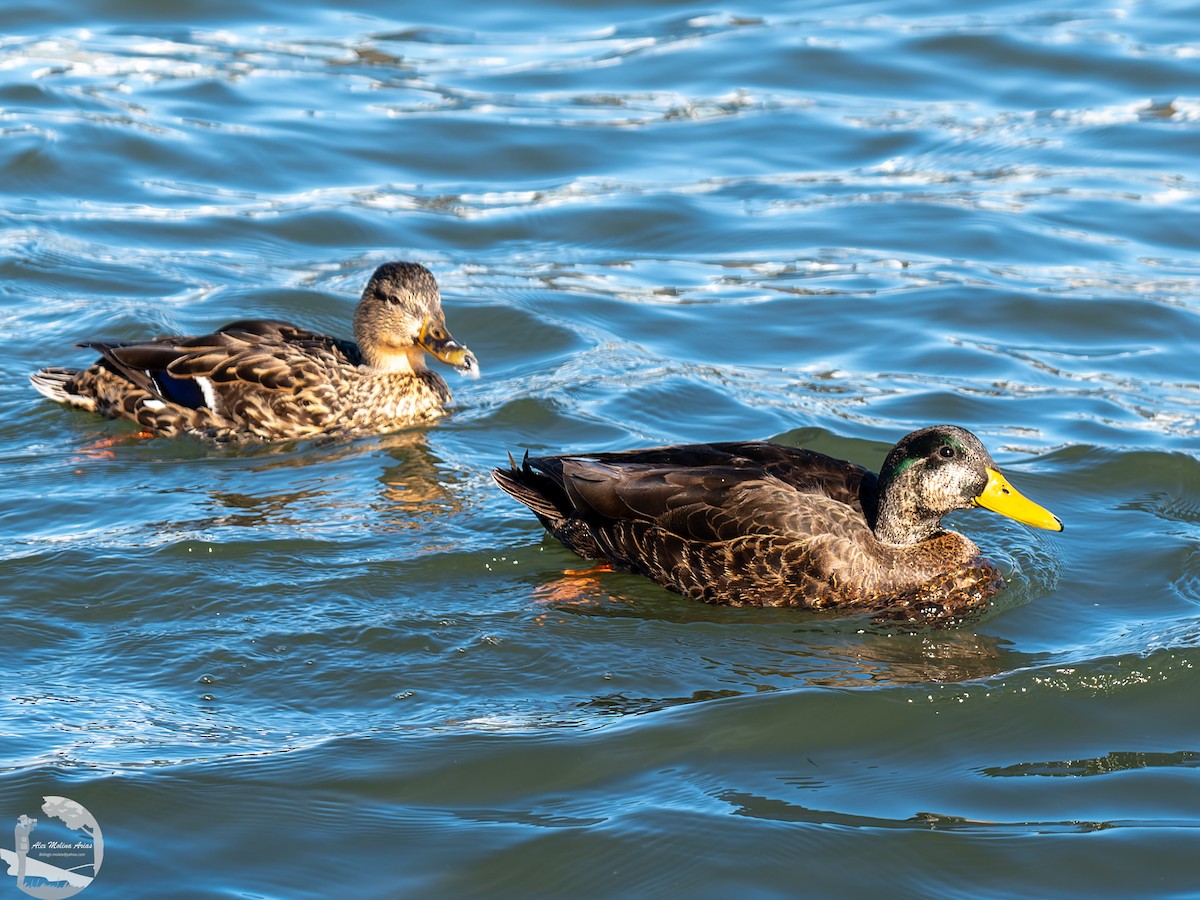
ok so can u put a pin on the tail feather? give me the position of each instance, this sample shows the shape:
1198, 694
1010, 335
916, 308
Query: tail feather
52, 383
538, 485
530, 488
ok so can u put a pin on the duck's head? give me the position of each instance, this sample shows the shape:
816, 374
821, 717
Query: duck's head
400, 319
937, 470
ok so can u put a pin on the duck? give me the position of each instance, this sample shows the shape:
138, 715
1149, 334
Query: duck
764, 524
267, 380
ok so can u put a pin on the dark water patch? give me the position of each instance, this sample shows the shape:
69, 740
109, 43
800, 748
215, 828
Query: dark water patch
1105, 765
775, 810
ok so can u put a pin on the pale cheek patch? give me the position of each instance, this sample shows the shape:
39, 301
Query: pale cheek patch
944, 485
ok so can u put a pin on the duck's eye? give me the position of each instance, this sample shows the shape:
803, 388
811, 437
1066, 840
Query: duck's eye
946, 452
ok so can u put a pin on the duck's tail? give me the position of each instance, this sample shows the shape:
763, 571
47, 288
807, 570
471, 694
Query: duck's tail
533, 489
538, 483
52, 383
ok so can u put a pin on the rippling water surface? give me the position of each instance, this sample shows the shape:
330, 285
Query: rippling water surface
356, 668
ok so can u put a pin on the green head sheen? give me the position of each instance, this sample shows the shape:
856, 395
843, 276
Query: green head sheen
934, 443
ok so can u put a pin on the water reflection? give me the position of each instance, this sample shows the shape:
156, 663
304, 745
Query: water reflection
621, 705
412, 488
950, 658
855, 660
418, 488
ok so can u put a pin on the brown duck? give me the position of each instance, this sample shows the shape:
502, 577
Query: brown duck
262, 380
762, 524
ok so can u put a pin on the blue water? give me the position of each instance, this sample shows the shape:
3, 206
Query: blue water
356, 668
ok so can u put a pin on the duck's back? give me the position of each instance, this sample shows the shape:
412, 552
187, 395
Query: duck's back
257, 377
733, 523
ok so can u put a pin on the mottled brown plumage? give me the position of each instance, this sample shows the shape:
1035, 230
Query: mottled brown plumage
761, 524
263, 380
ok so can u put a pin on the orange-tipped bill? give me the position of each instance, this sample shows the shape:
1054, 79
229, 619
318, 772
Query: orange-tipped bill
435, 340
1000, 496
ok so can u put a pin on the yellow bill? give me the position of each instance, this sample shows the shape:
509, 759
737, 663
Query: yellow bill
1000, 496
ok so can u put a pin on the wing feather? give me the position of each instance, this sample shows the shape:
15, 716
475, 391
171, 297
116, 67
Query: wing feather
253, 366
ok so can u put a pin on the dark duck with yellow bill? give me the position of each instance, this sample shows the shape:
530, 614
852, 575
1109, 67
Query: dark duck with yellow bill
262, 380
762, 524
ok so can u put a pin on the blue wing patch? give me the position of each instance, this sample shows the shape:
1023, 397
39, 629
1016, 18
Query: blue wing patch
181, 391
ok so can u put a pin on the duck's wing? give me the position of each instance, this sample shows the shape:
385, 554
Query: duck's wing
709, 523
810, 472
250, 355
707, 504
272, 331
807, 471
258, 378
